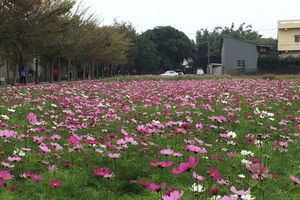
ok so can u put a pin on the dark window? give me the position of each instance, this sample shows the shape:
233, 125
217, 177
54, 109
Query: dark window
241, 64
297, 38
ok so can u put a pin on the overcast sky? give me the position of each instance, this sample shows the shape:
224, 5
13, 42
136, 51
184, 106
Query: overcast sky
192, 15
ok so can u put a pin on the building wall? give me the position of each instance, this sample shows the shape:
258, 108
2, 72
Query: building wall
234, 50
286, 40
287, 30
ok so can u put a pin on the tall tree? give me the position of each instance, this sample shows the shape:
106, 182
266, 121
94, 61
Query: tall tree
25, 26
147, 59
172, 45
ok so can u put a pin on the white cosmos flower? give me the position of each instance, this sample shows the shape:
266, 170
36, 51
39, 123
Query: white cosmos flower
218, 197
232, 134
11, 110
258, 142
245, 197
197, 188
224, 149
247, 153
19, 152
246, 162
5, 117
241, 176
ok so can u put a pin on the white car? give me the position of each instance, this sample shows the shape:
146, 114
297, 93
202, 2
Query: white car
170, 73
200, 72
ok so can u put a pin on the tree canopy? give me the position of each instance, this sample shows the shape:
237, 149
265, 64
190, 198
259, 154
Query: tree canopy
172, 45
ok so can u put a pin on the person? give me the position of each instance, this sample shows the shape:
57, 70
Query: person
30, 75
23, 74
55, 73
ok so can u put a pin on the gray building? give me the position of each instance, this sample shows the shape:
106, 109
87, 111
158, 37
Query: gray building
239, 57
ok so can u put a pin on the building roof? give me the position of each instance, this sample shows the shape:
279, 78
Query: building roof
288, 24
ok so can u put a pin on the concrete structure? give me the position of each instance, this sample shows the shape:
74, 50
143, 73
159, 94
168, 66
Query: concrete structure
215, 69
4, 71
289, 38
239, 57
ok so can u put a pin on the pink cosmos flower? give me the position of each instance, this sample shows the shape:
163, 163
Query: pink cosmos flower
8, 134
163, 164
258, 170
55, 183
239, 192
32, 118
282, 144
195, 149
295, 179
198, 177
14, 159
166, 151
5, 175
183, 166
177, 154
153, 187
36, 177
172, 195
231, 154
114, 155
103, 172
231, 197
198, 126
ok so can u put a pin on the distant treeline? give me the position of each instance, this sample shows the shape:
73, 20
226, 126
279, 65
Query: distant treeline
56, 33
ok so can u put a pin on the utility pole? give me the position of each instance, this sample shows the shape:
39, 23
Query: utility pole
208, 58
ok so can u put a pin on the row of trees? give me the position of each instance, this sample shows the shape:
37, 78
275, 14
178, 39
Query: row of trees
58, 34
51, 30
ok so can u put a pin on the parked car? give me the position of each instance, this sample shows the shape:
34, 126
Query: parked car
170, 73
179, 72
199, 72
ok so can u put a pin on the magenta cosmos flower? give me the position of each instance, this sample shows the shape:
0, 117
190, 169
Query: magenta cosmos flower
215, 174
103, 172
55, 183
183, 166
172, 195
5, 175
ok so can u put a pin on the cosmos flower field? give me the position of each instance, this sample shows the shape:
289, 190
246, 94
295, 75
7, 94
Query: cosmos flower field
151, 139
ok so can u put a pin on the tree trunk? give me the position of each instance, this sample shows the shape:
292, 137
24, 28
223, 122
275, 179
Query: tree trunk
69, 70
37, 70
83, 73
97, 71
102, 71
92, 69
51, 71
7, 70
59, 69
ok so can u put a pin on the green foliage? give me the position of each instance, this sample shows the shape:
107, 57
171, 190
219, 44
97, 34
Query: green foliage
147, 59
172, 45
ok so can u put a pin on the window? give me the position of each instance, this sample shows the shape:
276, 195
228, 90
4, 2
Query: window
297, 38
241, 64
